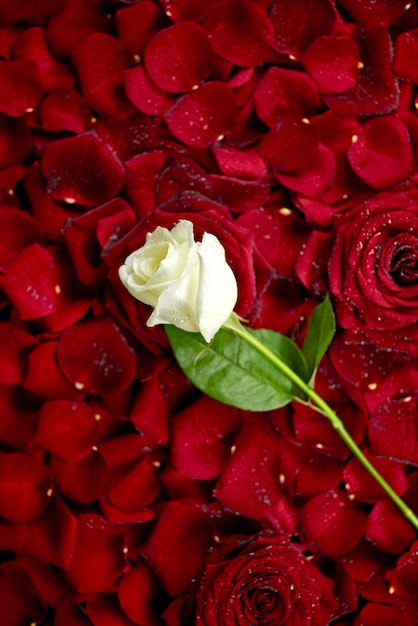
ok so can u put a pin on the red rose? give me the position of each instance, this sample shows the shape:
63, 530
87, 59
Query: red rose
261, 579
373, 271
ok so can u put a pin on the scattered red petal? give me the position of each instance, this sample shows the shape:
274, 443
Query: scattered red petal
82, 481
382, 153
141, 175
406, 47
64, 109
144, 94
138, 593
24, 485
66, 429
239, 487
371, 13
17, 418
180, 175
179, 58
314, 178
137, 24
81, 170
16, 345
98, 557
94, 356
333, 63
188, 10
74, 23
15, 142
291, 145
99, 61
21, 87
364, 487
50, 537
239, 164
241, 32
178, 544
281, 92
376, 91
200, 118
149, 411
388, 529
297, 23
136, 489
202, 435
32, 46
20, 602
333, 522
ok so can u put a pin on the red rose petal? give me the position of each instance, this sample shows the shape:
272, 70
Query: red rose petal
98, 557
404, 577
81, 170
82, 481
24, 486
364, 487
363, 561
202, 435
43, 376
137, 489
239, 164
180, 175
64, 109
66, 429
188, 10
376, 91
15, 143
74, 23
141, 174
50, 215
313, 179
49, 581
144, 94
105, 610
29, 283
392, 430
20, 602
297, 23
406, 47
179, 58
99, 61
32, 46
333, 522
137, 24
283, 91
178, 544
239, 195
50, 537
333, 63
382, 153
149, 411
238, 488
94, 355
388, 528
382, 614
127, 137
85, 235
12, 535
21, 87
137, 593
17, 419
15, 346
68, 613
291, 145
241, 32
374, 14
200, 118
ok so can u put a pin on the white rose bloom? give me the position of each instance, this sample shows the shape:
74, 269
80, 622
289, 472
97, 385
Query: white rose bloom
189, 283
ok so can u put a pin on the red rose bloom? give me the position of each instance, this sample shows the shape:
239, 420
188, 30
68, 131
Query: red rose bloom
373, 271
263, 580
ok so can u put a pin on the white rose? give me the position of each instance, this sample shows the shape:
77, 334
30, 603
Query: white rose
189, 283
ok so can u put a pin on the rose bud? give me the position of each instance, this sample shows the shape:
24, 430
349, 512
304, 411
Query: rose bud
189, 283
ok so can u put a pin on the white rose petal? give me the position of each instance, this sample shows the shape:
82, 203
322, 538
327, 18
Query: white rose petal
189, 284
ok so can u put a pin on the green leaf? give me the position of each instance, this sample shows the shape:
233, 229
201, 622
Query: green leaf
235, 373
321, 330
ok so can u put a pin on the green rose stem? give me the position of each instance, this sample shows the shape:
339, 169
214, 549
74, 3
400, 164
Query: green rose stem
233, 324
